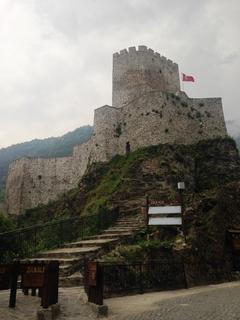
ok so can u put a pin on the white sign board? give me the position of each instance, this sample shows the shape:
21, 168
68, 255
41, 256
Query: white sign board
153, 221
165, 216
181, 185
165, 210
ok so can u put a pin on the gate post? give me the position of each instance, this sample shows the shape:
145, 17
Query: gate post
14, 278
94, 282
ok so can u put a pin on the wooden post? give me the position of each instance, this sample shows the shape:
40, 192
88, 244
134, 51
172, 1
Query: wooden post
147, 216
99, 297
182, 213
25, 291
184, 273
45, 289
147, 208
140, 279
49, 291
14, 278
33, 292
40, 292
5, 274
95, 282
54, 276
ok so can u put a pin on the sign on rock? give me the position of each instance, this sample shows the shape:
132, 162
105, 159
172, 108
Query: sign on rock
159, 214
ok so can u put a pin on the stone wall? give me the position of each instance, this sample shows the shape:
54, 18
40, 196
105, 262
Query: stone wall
138, 71
157, 117
149, 109
35, 181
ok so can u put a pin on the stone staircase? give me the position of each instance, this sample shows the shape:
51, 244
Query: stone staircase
71, 255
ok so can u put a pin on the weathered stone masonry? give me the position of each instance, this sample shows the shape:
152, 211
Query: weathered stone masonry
148, 109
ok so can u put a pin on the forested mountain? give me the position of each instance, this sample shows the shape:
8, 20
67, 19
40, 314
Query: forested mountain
50, 147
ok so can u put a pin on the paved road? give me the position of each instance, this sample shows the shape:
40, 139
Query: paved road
220, 302
72, 307
208, 303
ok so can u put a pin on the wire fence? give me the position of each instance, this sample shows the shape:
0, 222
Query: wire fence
26, 242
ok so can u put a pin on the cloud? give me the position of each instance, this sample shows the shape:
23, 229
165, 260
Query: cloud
56, 56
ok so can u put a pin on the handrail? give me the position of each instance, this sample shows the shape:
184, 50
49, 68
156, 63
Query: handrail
26, 242
47, 224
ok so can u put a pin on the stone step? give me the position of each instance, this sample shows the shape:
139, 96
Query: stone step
90, 243
111, 235
62, 261
123, 228
127, 223
74, 280
71, 255
119, 232
128, 220
69, 252
65, 270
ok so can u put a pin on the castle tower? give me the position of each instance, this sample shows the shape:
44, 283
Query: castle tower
138, 71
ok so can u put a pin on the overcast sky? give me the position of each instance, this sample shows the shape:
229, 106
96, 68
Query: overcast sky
56, 56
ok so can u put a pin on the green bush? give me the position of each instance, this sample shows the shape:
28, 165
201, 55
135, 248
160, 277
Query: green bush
6, 224
8, 246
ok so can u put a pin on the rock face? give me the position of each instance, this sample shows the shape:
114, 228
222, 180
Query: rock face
148, 109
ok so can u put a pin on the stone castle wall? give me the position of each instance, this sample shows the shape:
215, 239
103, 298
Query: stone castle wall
157, 117
35, 181
139, 71
148, 111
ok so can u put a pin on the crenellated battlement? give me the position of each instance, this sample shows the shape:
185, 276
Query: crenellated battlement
141, 70
143, 50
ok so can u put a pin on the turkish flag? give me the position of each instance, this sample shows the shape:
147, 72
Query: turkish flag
187, 78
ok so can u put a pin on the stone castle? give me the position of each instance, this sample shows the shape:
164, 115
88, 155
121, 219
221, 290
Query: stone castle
148, 108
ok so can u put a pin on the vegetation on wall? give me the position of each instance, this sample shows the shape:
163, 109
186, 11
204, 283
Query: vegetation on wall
50, 147
211, 171
145, 171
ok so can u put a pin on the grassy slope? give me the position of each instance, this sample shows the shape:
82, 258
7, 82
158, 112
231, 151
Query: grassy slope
125, 181
211, 170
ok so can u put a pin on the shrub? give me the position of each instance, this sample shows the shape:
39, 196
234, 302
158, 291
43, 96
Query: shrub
198, 114
118, 130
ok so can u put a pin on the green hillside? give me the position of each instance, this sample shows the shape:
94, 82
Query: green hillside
125, 181
50, 147
211, 172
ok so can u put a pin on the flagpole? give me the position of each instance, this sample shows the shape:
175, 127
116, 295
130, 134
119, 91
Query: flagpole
182, 82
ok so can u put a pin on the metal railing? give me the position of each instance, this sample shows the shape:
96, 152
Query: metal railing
26, 242
113, 279
142, 277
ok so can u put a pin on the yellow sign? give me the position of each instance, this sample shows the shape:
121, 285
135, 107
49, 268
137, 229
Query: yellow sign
35, 269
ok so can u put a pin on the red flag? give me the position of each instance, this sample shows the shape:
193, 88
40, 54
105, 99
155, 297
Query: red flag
186, 77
